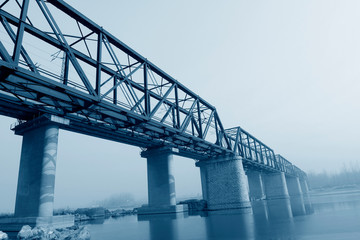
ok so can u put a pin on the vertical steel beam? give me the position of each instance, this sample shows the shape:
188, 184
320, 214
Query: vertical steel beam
273, 159
98, 64
177, 107
20, 31
146, 91
249, 146
261, 153
236, 140
256, 151
217, 131
199, 119
241, 145
66, 69
115, 91
192, 126
173, 117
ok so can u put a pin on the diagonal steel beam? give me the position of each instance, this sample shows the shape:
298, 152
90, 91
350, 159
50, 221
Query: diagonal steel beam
188, 117
157, 106
4, 53
47, 14
22, 49
20, 31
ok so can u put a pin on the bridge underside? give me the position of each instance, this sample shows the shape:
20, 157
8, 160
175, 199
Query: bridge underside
32, 97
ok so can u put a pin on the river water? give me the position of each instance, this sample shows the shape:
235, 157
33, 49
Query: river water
335, 215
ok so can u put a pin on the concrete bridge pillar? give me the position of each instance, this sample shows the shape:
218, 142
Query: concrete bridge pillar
305, 191
277, 195
36, 182
224, 183
161, 182
256, 186
296, 196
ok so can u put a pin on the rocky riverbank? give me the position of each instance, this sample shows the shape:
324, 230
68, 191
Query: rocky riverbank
50, 233
89, 214
3, 236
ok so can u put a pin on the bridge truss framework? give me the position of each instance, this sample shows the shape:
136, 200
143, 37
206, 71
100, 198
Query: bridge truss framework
108, 90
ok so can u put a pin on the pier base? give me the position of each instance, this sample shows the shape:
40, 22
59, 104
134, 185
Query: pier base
145, 209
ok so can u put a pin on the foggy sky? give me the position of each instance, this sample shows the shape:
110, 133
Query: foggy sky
286, 71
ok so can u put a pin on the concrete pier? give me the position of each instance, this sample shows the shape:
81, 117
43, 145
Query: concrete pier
224, 184
305, 191
296, 196
36, 181
256, 186
161, 182
277, 195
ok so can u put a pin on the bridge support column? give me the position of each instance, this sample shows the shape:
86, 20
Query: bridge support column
224, 184
256, 185
277, 195
36, 181
305, 191
35, 191
296, 196
161, 182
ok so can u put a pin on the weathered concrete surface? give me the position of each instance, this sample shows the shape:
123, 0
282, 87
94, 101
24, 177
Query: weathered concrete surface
36, 182
161, 182
256, 187
224, 184
296, 196
277, 195
260, 209
275, 186
305, 191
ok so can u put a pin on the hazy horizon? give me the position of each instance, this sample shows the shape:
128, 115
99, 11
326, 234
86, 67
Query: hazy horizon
286, 71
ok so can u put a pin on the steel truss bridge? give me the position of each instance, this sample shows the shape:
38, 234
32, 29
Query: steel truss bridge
57, 62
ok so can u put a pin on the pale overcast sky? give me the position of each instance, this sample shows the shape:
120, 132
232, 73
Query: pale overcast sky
286, 71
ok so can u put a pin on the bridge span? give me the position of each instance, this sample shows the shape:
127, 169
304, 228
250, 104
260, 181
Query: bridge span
60, 70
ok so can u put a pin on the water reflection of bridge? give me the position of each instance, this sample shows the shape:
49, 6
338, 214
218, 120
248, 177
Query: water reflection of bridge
60, 70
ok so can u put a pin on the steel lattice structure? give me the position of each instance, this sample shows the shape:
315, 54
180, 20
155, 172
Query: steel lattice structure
68, 66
